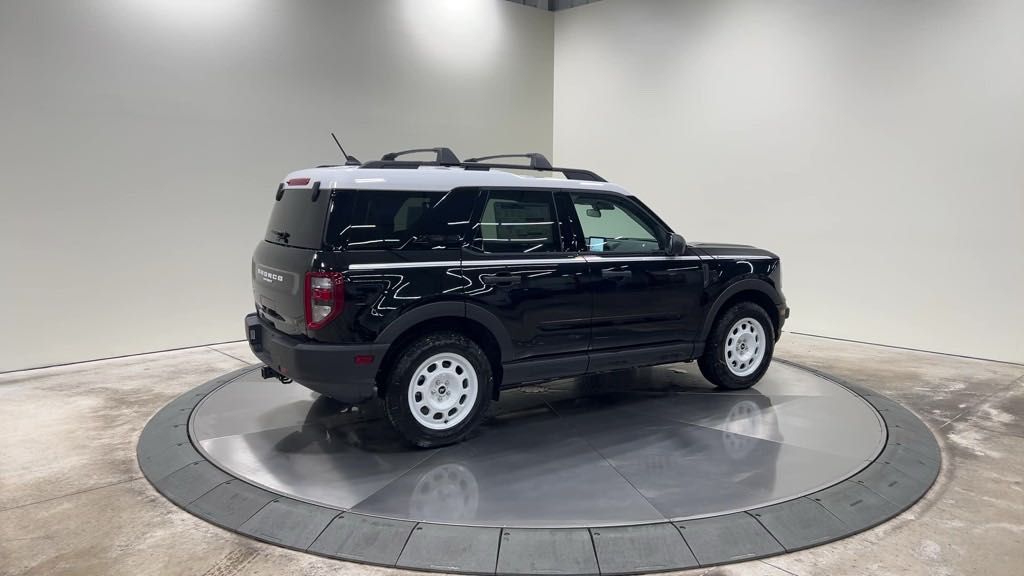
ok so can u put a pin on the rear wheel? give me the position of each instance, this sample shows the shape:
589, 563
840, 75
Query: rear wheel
438, 389
739, 347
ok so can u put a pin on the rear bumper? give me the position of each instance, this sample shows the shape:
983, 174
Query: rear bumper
330, 369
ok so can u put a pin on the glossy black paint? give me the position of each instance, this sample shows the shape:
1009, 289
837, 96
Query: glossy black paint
736, 271
561, 312
642, 302
540, 298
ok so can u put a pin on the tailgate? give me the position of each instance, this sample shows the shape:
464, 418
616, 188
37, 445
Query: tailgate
278, 277
279, 265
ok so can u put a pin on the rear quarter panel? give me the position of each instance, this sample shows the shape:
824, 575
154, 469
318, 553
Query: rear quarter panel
382, 285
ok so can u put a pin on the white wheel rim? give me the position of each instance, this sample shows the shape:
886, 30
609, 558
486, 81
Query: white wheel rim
741, 430
744, 347
449, 492
443, 391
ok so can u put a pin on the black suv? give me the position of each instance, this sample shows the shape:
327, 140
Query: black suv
435, 284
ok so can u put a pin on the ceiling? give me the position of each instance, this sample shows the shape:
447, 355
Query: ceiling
553, 5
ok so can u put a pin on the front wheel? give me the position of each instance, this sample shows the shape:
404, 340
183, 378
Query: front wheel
739, 347
439, 389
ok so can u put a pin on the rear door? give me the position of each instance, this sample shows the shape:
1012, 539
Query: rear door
279, 264
518, 267
642, 295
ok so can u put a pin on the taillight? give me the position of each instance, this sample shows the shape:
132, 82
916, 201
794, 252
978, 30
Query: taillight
325, 297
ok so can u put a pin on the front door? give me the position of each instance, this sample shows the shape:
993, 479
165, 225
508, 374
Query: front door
642, 296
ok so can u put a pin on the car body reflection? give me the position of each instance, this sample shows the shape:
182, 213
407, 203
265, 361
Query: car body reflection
644, 444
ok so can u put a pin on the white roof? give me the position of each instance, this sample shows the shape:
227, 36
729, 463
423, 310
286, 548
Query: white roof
441, 178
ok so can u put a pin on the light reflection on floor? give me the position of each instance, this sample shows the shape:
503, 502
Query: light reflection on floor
620, 448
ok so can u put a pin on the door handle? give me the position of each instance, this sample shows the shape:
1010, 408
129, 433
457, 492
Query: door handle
616, 274
670, 274
502, 279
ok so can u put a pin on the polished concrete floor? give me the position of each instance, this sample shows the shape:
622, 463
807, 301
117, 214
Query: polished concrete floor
72, 499
630, 447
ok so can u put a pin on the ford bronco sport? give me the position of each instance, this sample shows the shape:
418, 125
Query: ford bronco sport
433, 285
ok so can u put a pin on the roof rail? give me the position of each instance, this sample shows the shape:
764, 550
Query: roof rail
443, 156
537, 160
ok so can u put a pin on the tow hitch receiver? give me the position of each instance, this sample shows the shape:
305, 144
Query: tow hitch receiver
267, 373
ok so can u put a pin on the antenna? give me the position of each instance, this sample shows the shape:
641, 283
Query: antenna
349, 160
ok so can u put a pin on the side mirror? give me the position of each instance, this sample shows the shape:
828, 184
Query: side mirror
676, 245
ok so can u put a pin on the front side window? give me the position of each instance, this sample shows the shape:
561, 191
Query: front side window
517, 221
398, 220
613, 225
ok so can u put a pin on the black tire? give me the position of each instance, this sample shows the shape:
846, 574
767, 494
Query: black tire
715, 365
401, 376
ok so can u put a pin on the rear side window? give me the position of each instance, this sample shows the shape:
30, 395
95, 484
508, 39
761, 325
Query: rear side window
398, 220
297, 220
518, 221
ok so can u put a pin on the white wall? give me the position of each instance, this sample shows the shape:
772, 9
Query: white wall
877, 146
141, 143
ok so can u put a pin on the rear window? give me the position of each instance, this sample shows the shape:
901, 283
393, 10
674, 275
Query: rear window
398, 220
297, 220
